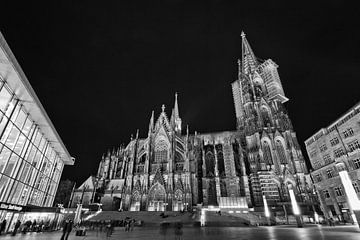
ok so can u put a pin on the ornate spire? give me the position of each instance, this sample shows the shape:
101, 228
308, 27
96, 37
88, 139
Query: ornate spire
137, 134
151, 123
176, 108
175, 117
248, 59
162, 108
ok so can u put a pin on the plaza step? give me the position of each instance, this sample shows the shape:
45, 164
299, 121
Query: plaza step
148, 218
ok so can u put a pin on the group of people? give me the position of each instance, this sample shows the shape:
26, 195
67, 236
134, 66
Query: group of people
67, 228
129, 224
178, 231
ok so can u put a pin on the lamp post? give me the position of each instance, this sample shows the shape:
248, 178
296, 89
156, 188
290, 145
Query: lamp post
351, 196
266, 210
295, 207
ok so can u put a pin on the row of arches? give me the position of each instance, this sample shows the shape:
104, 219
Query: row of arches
157, 200
268, 155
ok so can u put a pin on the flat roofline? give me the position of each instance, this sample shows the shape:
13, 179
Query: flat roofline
19, 83
344, 115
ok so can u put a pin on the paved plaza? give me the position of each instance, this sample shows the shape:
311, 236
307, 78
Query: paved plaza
211, 233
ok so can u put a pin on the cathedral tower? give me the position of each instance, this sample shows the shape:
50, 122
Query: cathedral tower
274, 160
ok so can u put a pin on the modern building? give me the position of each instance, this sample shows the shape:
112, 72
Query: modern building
172, 169
330, 146
32, 155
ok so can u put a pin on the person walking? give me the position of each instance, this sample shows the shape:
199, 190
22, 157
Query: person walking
17, 225
132, 224
69, 228
178, 231
64, 229
2, 226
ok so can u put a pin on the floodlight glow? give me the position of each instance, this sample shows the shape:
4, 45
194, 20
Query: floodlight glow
316, 216
294, 204
202, 218
354, 201
266, 208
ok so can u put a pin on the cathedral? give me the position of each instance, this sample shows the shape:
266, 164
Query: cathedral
171, 169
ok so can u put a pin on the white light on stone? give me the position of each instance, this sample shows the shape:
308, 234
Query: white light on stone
354, 201
294, 204
266, 208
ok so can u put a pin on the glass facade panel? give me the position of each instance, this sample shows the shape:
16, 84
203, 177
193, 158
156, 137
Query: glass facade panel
20, 144
4, 156
3, 183
14, 133
5, 97
29, 167
11, 163
20, 119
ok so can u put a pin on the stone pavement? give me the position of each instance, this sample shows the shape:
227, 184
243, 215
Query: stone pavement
314, 232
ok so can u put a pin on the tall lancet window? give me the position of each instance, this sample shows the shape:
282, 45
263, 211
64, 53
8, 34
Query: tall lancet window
161, 151
281, 152
265, 115
267, 153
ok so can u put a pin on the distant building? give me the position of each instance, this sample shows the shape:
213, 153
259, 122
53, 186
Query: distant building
337, 143
32, 155
174, 170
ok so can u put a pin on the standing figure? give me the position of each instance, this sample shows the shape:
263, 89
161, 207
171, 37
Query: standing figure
69, 228
17, 225
178, 231
2, 226
132, 224
64, 229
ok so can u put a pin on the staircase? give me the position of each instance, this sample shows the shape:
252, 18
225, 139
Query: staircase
148, 218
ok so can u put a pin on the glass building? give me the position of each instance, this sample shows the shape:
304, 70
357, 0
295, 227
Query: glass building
32, 155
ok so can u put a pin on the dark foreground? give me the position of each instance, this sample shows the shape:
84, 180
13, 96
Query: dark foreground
348, 232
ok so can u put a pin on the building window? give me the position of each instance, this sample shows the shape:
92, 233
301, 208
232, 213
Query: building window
323, 148
356, 163
338, 191
338, 152
313, 153
334, 141
161, 151
281, 152
326, 194
348, 132
318, 177
329, 173
327, 159
354, 145
316, 164
267, 154
356, 187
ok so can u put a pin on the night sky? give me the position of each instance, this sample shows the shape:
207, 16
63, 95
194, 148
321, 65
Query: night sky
100, 68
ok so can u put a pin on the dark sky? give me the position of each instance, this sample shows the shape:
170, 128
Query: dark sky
101, 67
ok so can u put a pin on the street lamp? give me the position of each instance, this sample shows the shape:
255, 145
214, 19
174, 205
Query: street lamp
353, 200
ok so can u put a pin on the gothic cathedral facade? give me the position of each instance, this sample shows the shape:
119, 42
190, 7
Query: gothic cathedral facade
171, 169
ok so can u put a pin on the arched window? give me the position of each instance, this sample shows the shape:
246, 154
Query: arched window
267, 153
210, 164
220, 158
178, 157
265, 115
161, 151
281, 152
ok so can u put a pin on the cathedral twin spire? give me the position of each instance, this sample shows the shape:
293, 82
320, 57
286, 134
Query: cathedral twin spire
175, 119
248, 59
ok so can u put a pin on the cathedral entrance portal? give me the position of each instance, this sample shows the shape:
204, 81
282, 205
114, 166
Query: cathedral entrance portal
157, 197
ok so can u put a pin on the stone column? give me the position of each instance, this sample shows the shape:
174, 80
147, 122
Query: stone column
217, 179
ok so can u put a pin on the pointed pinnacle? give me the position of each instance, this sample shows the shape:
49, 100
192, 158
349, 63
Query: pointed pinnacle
242, 34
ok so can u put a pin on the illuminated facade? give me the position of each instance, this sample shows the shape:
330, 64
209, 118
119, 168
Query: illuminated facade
337, 144
32, 155
172, 169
